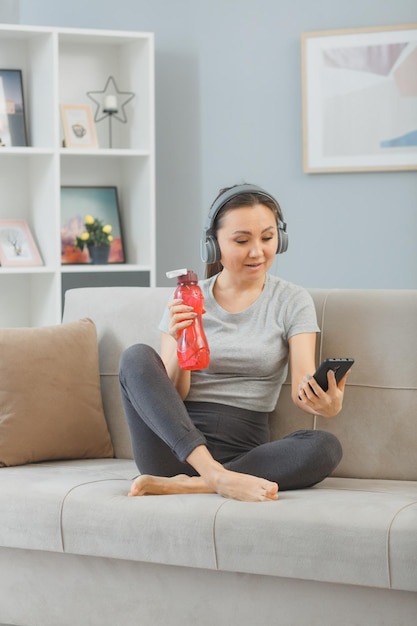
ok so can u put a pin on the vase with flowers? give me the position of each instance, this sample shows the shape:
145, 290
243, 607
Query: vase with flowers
96, 238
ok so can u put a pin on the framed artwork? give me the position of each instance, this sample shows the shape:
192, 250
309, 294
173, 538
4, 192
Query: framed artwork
12, 109
359, 91
90, 218
79, 128
17, 246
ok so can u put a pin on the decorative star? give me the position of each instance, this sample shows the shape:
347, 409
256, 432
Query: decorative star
111, 89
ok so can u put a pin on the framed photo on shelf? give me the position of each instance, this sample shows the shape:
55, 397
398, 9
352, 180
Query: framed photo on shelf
17, 246
12, 109
78, 124
360, 99
82, 210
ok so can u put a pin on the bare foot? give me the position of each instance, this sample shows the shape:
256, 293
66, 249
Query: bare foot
245, 487
146, 485
224, 482
228, 483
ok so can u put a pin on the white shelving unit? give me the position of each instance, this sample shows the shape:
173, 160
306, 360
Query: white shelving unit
59, 66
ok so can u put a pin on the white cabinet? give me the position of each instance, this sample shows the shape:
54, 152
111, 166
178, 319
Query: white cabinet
59, 66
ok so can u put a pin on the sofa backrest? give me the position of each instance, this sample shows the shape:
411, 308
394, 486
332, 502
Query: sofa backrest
378, 328
123, 316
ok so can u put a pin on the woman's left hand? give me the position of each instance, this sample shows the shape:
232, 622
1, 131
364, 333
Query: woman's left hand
313, 399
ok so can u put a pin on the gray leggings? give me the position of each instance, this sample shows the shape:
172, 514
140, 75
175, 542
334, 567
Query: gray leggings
164, 430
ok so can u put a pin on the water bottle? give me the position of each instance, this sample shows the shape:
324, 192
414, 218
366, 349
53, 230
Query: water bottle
192, 348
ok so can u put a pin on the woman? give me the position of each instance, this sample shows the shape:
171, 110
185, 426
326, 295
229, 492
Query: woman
207, 431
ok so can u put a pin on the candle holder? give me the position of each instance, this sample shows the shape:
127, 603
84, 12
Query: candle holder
110, 103
111, 108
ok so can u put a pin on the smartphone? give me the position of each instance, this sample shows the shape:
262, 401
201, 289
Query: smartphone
339, 366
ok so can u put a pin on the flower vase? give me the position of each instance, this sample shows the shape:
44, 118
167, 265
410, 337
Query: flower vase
99, 255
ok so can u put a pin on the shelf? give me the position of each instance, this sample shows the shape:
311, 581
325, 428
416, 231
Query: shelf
59, 66
110, 267
103, 152
27, 270
25, 151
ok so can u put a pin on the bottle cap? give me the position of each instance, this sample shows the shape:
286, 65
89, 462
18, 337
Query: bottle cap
175, 273
183, 275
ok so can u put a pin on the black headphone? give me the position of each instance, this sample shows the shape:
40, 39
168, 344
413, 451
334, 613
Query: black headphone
209, 247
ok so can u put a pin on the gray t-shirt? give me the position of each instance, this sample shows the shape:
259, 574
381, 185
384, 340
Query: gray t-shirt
249, 349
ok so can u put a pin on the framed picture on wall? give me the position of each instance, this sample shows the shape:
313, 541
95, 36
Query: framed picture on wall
79, 128
90, 220
17, 246
360, 99
12, 109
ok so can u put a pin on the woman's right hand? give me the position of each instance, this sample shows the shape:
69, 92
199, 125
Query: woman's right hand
181, 316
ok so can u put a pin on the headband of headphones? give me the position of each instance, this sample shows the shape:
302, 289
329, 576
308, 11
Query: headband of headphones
209, 248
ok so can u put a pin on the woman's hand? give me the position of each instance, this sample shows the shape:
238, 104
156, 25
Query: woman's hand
313, 399
305, 391
181, 316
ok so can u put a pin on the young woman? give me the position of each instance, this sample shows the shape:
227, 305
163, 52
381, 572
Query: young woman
207, 431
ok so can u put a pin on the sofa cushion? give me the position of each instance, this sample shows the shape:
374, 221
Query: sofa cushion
343, 530
99, 519
82, 507
50, 399
33, 496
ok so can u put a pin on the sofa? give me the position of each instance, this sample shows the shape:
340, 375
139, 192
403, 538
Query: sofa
75, 550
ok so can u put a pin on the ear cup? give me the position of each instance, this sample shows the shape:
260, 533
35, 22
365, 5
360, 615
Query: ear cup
209, 249
282, 237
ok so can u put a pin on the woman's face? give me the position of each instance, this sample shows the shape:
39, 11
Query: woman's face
248, 240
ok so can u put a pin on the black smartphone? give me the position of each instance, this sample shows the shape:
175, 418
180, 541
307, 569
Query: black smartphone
339, 366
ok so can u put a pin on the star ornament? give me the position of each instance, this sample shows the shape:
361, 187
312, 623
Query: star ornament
110, 92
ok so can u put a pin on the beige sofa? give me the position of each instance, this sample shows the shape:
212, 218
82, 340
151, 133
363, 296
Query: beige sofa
75, 550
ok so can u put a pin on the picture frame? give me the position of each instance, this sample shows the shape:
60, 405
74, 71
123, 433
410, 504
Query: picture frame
359, 99
17, 245
12, 109
78, 125
101, 203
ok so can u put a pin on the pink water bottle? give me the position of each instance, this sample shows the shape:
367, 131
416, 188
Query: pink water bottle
192, 348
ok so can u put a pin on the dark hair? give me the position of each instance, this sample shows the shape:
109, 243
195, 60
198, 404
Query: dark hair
244, 199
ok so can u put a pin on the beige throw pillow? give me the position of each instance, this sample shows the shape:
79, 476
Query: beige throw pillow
50, 398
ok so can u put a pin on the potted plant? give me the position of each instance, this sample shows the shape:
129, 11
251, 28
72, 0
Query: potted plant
97, 238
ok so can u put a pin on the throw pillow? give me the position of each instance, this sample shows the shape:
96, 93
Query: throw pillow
50, 397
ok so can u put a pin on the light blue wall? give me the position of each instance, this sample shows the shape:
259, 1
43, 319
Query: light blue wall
9, 11
228, 109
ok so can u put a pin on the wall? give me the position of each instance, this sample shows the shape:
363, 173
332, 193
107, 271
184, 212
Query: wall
228, 109
9, 11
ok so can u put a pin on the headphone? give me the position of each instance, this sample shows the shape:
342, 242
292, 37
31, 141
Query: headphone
209, 247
